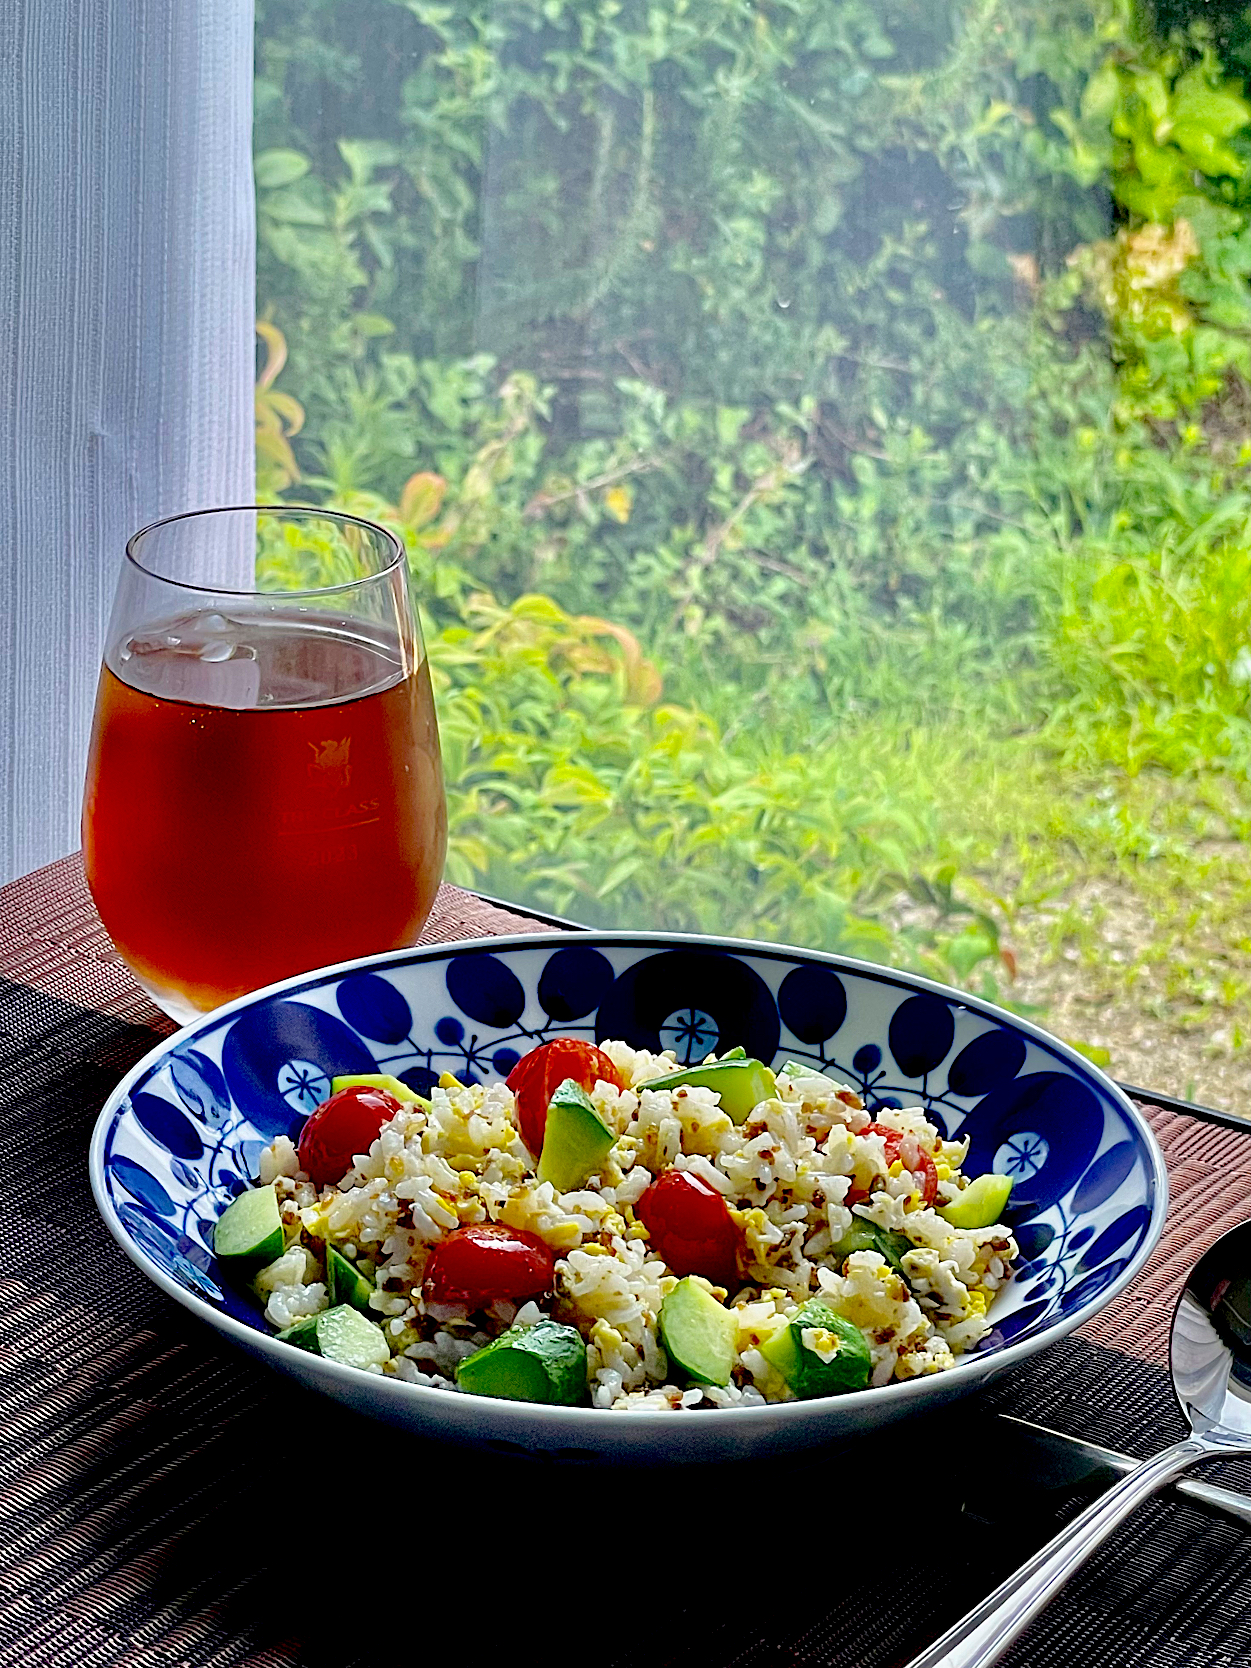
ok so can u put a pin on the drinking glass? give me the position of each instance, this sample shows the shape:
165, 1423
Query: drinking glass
264, 787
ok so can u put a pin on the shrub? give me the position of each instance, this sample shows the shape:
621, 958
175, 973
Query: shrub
777, 400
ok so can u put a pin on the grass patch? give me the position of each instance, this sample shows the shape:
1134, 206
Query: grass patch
1125, 902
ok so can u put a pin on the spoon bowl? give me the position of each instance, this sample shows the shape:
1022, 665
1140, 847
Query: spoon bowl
1210, 1347
1210, 1362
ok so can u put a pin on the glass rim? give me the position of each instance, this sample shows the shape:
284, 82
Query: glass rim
292, 510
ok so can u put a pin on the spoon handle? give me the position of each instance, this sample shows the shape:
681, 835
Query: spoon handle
982, 1636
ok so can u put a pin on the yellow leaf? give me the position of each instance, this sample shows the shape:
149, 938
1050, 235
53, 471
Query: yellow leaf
276, 352
996, 111
422, 498
619, 501
643, 681
285, 407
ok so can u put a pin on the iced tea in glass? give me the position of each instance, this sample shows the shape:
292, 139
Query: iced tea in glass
264, 789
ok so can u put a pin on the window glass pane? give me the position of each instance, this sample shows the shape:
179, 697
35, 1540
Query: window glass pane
821, 432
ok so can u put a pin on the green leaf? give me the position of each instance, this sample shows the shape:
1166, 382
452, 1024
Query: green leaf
730, 420
363, 156
373, 324
967, 949
279, 167
1094, 1053
1201, 106
1205, 149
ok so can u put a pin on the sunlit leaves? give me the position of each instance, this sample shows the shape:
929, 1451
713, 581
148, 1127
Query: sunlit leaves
279, 167
279, 417
784, 444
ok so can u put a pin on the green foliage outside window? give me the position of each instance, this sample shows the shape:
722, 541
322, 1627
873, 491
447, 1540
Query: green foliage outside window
820, 429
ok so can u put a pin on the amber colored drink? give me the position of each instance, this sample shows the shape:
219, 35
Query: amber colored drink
263, 797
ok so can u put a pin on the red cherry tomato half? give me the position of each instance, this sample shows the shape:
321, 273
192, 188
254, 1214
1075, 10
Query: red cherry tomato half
892, 1140
346, 1124
475, 1265
690, 1226
925, 1168
536, 1077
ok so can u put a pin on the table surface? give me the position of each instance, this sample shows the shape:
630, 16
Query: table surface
166, 1500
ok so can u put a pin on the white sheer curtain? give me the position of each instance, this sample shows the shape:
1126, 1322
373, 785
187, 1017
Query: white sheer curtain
127, 279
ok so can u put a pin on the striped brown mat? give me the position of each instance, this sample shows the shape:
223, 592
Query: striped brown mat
164, 1500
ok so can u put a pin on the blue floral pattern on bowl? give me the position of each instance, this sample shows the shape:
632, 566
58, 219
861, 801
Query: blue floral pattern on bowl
181, 1136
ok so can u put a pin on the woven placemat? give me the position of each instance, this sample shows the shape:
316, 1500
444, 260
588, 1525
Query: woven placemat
163, 1499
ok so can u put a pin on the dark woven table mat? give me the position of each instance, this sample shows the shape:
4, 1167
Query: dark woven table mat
165, 1500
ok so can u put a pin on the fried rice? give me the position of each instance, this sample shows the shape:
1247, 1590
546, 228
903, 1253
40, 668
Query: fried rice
786, 1174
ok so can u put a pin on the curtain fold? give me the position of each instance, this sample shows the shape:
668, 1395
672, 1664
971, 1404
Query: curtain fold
127, 304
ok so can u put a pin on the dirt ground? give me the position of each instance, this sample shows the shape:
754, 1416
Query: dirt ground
1171, 1016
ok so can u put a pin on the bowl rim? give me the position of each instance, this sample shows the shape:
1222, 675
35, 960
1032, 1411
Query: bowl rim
973, 1366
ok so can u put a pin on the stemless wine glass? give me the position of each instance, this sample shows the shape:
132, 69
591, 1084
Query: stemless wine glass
264, 788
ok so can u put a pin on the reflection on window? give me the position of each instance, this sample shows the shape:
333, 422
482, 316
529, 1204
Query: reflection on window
821, 432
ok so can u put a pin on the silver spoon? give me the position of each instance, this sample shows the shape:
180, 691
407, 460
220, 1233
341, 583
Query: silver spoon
1210, 1358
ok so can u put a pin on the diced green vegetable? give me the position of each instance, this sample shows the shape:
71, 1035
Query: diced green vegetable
345, 1283
799, 1068
867, 1236
380, 1080
302, 1333
698, 1333
741, 1083
576, 1139
545, 1362
981, 1204
819, 1353
340, 1334
250, 1228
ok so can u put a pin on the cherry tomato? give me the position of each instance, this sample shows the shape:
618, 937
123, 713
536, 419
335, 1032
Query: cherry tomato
346, 1124
926, 1169
475, 1265
690, 1226
892, 1140
535, 1078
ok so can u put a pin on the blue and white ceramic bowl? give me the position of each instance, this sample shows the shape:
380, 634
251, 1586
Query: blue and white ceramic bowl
181, 1134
